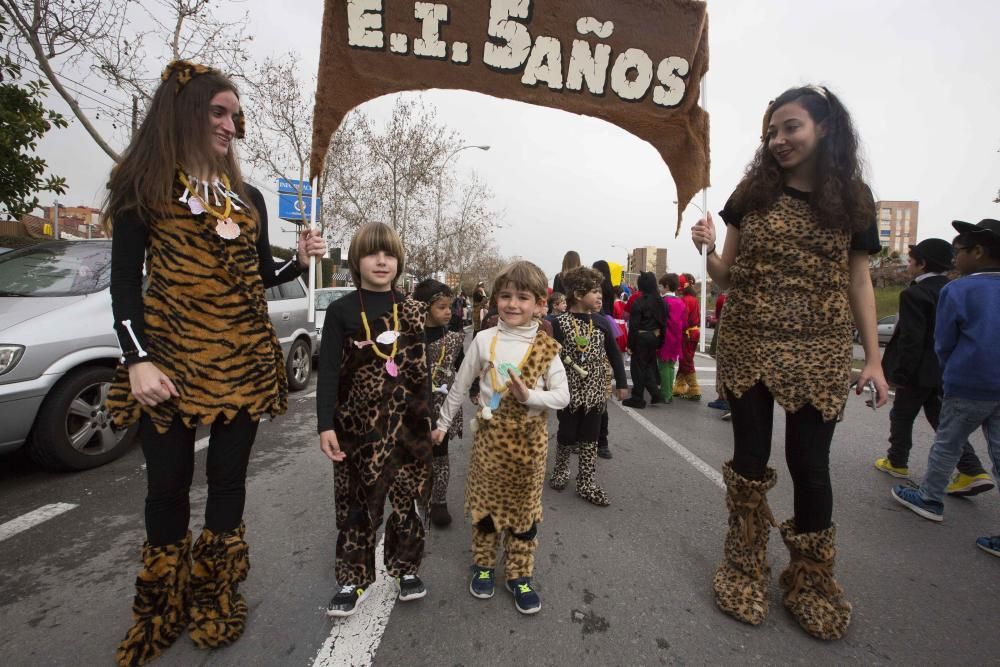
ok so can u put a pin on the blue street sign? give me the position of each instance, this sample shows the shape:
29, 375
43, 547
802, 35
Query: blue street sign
289, 207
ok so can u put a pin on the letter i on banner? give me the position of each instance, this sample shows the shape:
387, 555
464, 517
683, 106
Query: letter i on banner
312, 259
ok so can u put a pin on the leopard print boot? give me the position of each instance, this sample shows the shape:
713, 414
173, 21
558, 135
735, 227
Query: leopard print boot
586, 478
159, 610
218, 610
440, 516
810, 592
741, 580
560, 473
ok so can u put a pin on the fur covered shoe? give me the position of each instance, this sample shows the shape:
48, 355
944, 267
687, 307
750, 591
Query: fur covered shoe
218, 610
741, 580
560, 472
810, 592
586, 478
159, 610
440, 516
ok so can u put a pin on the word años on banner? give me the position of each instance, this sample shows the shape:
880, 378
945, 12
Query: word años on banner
510, 48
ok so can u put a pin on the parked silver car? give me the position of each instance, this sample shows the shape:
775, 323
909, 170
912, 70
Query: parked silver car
288, 305
324, 297
58, 352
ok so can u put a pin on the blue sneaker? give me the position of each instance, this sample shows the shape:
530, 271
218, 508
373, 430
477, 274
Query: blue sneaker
481, 585
525, 598
719, 404
990, 545
909, 497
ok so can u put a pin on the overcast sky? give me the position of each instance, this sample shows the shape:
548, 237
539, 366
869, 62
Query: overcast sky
919, 78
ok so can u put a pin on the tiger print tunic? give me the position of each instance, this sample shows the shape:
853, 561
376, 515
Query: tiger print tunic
205, 323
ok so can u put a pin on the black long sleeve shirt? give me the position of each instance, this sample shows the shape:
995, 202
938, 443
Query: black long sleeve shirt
343, 320
128, 254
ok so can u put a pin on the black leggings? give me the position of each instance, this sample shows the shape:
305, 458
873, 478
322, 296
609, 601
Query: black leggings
170, 469
807, 452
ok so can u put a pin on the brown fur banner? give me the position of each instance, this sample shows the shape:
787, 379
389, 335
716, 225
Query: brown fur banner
635, 63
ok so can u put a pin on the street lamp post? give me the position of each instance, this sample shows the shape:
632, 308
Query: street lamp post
440, 196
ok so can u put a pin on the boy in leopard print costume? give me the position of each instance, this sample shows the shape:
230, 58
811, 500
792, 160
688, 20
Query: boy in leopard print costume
589, 352
521, 377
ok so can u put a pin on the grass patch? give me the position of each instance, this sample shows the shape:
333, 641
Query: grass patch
887, 300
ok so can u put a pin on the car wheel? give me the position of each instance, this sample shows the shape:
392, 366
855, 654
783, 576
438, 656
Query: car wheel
73, 429
298, 365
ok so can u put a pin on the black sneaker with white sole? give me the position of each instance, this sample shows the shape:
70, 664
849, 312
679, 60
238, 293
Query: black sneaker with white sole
410, 587
347, 600
526, 598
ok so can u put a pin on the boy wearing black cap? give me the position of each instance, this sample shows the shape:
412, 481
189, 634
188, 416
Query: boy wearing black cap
968, 319
910, 363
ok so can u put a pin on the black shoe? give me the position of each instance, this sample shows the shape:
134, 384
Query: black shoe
410, 587
605, 453
346, 601
634, 403
481, 585
525, 597
439, 515
656, 400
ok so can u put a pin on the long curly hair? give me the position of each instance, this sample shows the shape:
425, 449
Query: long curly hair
841, 198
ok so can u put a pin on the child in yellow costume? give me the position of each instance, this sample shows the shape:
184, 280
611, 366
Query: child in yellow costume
520, 377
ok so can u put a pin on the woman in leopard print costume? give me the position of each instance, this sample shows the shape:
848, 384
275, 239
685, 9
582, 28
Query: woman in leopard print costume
801, 226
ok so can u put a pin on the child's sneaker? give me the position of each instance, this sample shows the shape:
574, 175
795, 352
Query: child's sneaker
910, 498
525, 598
885, 465
481, 585
990, 545
963, 485
410, 587
346, 601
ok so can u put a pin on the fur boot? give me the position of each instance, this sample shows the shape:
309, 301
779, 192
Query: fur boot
159, 610
741, 580
218, 610
439, 494
586, 478
810, 592
560, 472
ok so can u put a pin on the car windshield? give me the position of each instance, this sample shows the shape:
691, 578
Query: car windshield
56, 269
326, 297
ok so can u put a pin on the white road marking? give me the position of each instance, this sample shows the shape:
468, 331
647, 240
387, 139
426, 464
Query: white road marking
354, 640
201, 443
311, 394
33, 518
681, 450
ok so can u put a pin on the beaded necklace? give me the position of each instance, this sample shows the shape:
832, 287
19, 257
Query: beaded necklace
582, 342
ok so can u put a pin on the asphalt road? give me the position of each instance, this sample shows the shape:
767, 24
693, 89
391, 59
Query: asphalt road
623, 585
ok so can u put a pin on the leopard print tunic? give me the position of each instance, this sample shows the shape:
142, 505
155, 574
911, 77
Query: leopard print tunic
442, 368
787, 321
206, 323
507, 464
589, 392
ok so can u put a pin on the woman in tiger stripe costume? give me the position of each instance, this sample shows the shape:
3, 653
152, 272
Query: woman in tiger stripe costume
197, 349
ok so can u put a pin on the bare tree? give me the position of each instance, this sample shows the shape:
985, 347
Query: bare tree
86, 48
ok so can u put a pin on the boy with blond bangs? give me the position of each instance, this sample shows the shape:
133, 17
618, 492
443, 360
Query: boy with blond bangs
520, 377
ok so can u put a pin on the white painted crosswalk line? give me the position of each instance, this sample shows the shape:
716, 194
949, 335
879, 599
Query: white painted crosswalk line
354, 640
200, 444
33, 518
685, 453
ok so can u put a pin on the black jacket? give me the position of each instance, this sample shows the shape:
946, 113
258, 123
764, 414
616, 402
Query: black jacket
909, 358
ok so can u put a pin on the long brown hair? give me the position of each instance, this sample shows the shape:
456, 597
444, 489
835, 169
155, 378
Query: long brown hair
176, 131
571, 260
841, 199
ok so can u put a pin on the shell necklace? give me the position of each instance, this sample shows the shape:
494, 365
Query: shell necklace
390, 336
505, 369
196, 196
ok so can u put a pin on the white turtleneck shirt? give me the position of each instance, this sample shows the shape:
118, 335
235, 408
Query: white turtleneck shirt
551, 391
